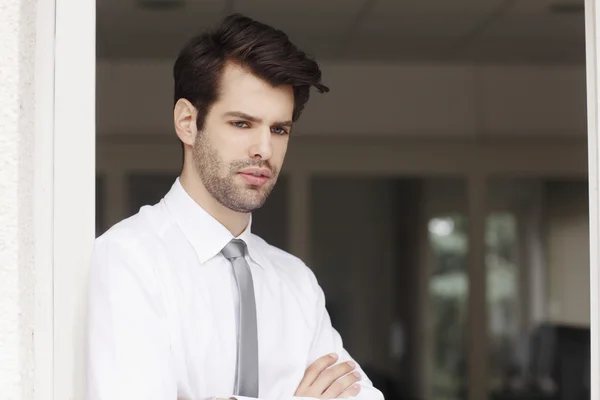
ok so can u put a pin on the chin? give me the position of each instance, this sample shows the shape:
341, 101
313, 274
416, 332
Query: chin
248, 204
246, 209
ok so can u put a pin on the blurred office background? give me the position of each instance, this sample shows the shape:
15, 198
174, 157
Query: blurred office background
439, 191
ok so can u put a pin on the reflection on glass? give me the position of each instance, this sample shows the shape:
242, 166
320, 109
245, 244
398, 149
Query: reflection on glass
537, 290
448, 290
502, 298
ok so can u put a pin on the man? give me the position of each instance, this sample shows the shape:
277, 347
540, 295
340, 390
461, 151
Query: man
185, 302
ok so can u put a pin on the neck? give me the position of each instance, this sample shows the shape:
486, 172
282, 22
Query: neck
234, 221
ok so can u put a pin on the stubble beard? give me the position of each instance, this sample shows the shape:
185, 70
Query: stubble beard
219, 178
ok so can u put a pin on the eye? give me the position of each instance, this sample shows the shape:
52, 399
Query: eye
279, 130
240, 124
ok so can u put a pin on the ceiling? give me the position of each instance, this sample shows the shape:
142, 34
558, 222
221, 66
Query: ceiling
478, 31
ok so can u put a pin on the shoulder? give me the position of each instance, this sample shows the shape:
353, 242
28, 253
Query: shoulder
133, 241
126, 260
286, 264
148, 224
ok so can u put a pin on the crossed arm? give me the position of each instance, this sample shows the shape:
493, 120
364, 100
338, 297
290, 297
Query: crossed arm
324, 379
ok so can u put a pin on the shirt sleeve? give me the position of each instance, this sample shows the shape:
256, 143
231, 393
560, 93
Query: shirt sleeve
128, 346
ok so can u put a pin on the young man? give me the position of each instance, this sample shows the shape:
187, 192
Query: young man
185, 302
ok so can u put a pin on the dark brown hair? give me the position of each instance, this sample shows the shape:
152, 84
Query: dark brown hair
262, 49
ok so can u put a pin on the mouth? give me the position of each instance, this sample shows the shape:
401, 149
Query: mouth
256, 177
257, 172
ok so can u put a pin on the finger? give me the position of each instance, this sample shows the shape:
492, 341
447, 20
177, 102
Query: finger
332, 374
316, 368
350, 392
341, 385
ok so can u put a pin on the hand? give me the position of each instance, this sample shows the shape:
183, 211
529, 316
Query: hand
322, 382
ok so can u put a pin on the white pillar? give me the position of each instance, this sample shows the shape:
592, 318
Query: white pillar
592, 21
25, 274
74, 188
47, 137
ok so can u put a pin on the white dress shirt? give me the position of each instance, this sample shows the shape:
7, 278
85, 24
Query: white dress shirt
163, 303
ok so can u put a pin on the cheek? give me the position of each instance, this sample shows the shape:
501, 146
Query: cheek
279, 151
234, 146
229, 148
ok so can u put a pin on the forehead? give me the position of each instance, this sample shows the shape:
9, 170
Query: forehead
242, 91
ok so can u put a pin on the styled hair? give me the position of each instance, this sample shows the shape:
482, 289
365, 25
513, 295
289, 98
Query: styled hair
263, 50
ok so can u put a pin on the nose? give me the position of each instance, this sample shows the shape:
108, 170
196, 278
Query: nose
261, 146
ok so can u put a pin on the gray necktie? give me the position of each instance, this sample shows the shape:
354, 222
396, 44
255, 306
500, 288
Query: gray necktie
247, 356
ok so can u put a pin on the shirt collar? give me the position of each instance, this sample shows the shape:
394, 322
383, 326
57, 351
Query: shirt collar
207, 235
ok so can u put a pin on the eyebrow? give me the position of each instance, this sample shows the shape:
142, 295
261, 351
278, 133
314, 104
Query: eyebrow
238, 114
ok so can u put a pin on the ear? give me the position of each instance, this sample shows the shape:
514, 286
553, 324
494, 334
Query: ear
184, 118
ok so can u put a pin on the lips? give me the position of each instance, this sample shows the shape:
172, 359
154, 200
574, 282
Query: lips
257, 172
256, 176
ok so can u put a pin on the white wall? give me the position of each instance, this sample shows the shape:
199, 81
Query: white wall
17, 30
381, 99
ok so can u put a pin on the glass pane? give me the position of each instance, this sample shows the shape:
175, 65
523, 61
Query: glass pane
502, 296
391, 254
365, 248
538, 289
448, 291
